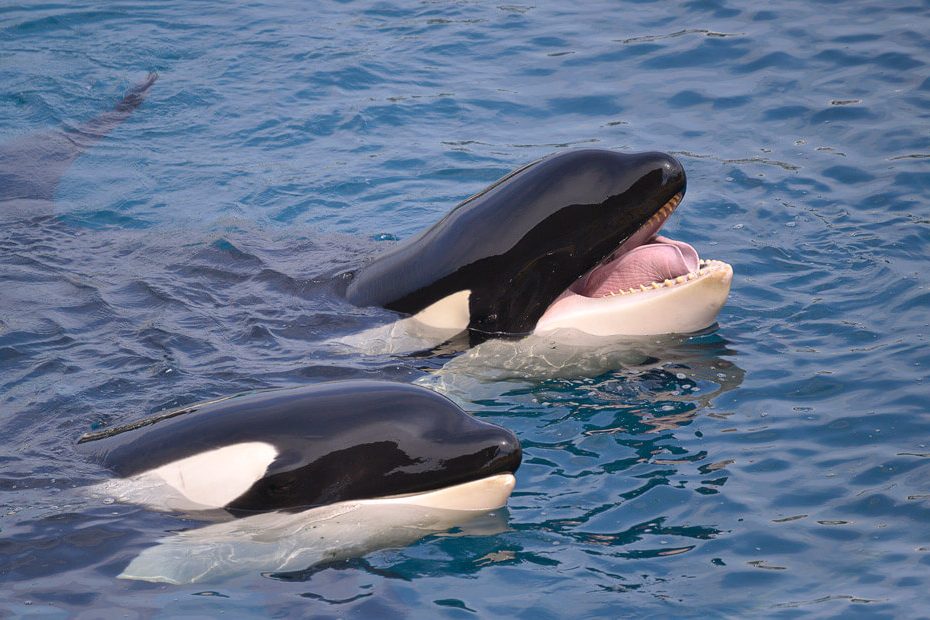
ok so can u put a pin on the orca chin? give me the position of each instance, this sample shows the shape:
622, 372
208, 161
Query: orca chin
570, 241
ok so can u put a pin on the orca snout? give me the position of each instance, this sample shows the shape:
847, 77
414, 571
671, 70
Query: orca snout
509, 453
671, 170
673, 173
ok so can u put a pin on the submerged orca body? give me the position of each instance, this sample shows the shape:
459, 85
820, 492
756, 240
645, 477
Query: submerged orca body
31, 167
568, 241
312, 474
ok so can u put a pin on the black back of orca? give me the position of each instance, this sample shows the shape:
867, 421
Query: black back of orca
335, 441
521, 242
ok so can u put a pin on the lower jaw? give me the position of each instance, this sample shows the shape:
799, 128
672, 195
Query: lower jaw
488, 493
687, 304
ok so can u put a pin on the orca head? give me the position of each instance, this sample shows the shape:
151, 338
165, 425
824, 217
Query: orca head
560, 227
313, 446
382, 440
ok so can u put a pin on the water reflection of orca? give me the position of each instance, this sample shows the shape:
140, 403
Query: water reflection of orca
32, 166
315, 473
567, 242
698, 369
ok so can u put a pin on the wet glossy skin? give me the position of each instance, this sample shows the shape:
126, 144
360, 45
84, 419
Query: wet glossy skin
520, 243
336, 441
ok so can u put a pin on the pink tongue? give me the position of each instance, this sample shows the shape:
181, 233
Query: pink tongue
661, 259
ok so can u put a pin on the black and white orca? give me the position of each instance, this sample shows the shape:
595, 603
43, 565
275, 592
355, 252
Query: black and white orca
305, 447
569, 241
311, 474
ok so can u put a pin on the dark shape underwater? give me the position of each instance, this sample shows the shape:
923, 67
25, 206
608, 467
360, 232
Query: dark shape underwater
31, 166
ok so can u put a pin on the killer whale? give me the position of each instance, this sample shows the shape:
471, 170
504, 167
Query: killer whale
569, 241
31, 167
304, 475
310, 446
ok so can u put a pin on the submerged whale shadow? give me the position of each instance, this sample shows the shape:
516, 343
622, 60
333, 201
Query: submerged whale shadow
295, 546
32, 166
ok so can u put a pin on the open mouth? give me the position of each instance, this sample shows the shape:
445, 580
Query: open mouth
646, 262
644, 268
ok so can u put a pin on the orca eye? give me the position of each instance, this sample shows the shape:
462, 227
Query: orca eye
280, 487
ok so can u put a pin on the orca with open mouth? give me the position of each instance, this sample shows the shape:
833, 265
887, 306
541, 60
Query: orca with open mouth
569, 241
312, 474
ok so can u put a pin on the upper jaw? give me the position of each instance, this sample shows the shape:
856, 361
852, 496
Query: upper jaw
645, 235
658, 260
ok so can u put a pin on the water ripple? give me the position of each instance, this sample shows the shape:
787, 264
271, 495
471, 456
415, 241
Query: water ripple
775, 465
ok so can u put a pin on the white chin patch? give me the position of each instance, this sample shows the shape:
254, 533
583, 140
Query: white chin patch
215, 478
488, 493
450, 312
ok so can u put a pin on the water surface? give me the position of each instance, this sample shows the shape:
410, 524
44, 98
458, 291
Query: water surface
775, 465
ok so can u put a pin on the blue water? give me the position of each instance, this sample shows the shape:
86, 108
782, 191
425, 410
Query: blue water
776, 465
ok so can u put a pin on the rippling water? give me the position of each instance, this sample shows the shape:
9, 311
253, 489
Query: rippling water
776, 464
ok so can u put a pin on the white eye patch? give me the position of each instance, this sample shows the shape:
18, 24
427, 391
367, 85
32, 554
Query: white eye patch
450, 312
219, 476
